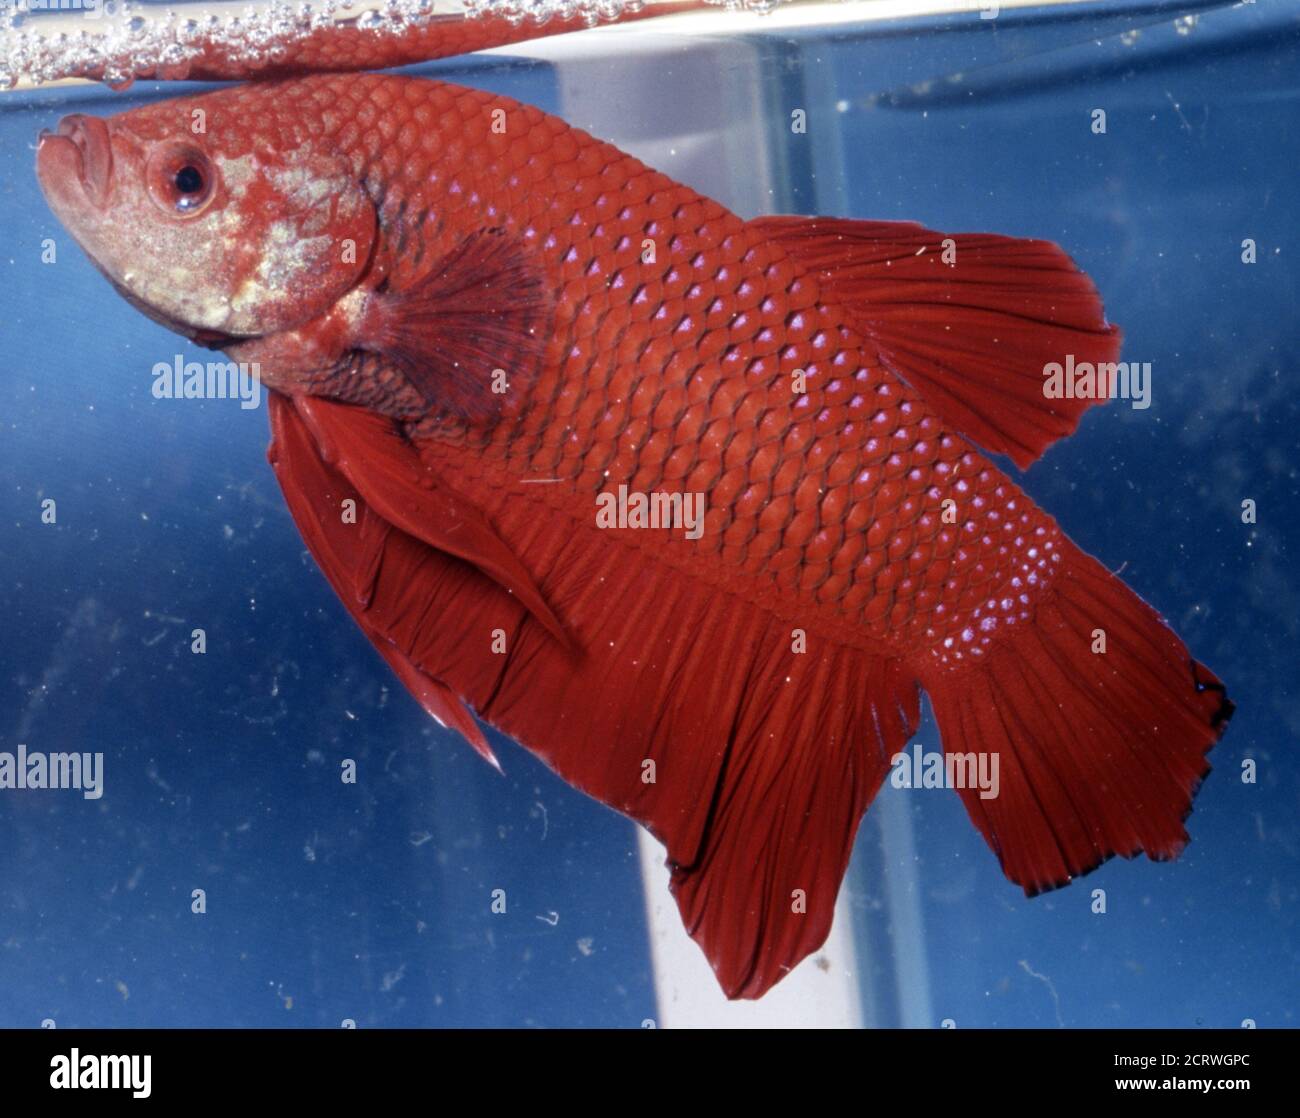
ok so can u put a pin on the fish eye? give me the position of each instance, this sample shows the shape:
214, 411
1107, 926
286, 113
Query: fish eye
189, 181
181, 179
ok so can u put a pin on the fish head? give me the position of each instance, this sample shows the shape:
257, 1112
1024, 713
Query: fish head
219, 233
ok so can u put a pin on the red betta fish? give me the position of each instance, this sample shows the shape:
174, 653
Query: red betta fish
481, 327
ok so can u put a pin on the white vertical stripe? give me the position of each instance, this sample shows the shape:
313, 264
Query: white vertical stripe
694, 110
902, 887
822, 992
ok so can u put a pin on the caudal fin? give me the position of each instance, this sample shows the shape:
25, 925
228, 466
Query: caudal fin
1100, 752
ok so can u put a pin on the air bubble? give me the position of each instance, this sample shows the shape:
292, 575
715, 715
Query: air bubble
137, 44
134, 43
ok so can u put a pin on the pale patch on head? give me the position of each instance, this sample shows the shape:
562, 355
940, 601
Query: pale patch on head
283, 235
353, 305
318, 204
285, 256
238, 173
301, 182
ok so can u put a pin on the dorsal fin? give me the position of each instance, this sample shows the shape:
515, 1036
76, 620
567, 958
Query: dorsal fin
969, 320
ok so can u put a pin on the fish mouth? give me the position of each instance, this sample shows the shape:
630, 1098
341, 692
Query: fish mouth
81, 151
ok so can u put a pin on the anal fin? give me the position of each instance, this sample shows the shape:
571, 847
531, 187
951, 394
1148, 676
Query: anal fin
685, 710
